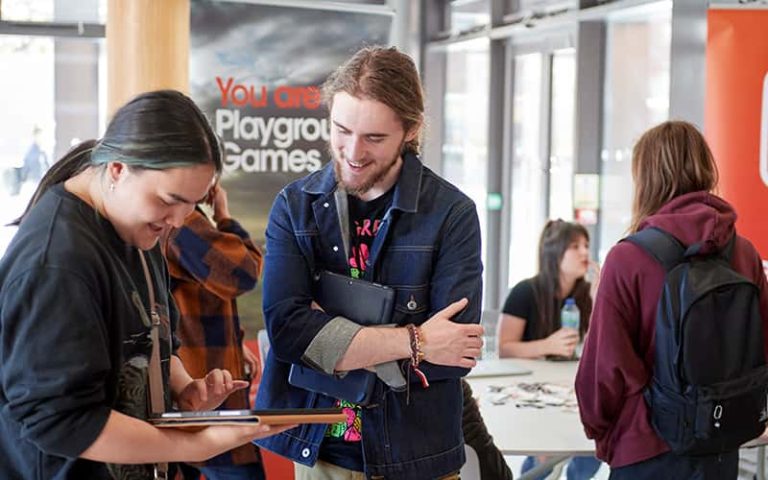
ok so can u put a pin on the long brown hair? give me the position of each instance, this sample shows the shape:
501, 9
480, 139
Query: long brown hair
555, 239
388, 76
669, 160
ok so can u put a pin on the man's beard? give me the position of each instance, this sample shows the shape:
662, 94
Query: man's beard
375, 178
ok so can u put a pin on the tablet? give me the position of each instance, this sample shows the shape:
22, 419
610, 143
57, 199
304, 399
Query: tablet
210, 418
498, 367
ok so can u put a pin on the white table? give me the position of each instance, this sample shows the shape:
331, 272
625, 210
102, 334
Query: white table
548, 431
551, 431
531, 431
505, 367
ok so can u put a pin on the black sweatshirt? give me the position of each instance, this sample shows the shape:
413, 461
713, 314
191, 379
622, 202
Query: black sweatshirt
73, 340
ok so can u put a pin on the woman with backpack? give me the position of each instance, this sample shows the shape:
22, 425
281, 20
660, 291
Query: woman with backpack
674, 175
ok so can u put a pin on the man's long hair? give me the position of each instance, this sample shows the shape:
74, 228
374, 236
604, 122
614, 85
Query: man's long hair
386, 75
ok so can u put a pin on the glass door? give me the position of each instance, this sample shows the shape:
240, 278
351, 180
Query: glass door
542, 148
528, 195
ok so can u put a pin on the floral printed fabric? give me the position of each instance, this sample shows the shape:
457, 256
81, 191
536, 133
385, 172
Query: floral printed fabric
351, 430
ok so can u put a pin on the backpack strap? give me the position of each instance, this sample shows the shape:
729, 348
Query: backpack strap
727, 251
662, 246
724, 252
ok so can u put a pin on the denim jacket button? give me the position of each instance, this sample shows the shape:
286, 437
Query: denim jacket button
335, 248
326, 205
411, 305
305, 453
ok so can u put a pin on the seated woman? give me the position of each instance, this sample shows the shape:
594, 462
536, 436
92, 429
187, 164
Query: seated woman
530, 320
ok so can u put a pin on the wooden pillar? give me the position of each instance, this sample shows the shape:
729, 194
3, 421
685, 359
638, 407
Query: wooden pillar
147, 48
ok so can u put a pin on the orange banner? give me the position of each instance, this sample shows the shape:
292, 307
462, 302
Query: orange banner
736, 115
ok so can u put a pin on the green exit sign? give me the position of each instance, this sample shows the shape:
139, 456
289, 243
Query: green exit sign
494, 201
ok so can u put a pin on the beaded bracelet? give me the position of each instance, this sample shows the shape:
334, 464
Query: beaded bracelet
417, 355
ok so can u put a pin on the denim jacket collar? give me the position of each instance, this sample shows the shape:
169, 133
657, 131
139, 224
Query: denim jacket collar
407, 188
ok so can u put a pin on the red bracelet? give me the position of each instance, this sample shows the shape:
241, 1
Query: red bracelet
417, 355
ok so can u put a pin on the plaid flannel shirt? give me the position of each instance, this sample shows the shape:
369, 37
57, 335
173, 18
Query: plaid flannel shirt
210, 267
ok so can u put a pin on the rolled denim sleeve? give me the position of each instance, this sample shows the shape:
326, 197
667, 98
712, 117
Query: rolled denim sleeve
330, 344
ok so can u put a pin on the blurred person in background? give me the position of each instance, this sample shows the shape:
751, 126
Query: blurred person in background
212, 262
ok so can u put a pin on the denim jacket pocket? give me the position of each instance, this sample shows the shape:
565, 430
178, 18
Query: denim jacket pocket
411, 304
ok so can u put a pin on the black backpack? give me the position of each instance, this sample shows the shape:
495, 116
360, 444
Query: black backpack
709, 388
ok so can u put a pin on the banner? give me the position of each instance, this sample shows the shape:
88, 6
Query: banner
736, 114
255, 71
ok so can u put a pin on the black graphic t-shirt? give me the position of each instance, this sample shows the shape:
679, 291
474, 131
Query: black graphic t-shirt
342, 445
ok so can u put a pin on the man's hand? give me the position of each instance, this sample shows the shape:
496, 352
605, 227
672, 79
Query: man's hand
209, 392
449, 343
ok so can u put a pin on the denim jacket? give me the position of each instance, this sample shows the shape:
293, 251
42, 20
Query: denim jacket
427, 249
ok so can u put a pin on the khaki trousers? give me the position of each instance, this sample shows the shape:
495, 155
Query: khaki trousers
326, 471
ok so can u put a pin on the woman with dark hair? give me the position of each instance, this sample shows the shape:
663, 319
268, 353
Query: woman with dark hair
530, 321
674, 175
80, 334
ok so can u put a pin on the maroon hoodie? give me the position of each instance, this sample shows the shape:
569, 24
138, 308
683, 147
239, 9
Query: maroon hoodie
617, 361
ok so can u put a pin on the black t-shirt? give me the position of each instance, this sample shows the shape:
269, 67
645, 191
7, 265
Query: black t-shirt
75, 342
342, 445
364, 221
521, 302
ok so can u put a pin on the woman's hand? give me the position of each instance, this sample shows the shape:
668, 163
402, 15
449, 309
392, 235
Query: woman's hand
253, 363
126, 439
221, 438
209, 392
562, 342
449, 343
217, 198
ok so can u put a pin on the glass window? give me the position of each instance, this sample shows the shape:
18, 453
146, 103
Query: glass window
520, 7
468, 14
528, 168
89, 11
50, 102
561, 134
465, 147
636, 98
27, 10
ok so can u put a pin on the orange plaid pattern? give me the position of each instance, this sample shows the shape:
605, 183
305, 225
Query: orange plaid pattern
210, 267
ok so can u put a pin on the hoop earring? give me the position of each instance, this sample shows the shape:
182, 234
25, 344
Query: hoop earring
111, 187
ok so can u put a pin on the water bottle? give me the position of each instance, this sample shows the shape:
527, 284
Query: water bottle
570, 318
569, 315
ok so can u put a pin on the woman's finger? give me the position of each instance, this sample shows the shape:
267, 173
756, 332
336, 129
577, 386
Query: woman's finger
215, 381
239, 384
227, 380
